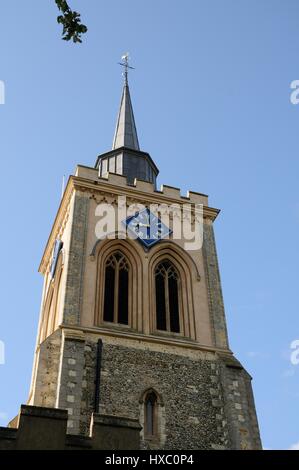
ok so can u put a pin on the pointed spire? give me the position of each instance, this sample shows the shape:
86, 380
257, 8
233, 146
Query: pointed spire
125, 131
126, 158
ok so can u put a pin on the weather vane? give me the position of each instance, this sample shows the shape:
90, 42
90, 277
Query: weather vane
125, 64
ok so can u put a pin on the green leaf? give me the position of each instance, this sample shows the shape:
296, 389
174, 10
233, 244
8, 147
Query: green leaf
71, 22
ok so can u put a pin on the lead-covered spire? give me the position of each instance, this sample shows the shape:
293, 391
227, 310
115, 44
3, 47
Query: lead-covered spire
126, 158
125, 132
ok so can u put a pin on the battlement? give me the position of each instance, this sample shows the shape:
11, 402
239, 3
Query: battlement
40, 428
114, 179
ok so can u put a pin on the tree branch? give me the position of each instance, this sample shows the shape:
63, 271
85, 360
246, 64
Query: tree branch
71, 22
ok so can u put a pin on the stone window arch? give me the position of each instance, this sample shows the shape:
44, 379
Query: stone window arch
104, 252
116, 289
167, 297
186, 272
152, 418
150, 414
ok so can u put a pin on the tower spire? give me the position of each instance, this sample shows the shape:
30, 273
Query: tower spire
125, 132
126, 158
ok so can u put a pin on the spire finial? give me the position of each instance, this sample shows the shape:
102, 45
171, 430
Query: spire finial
125, 63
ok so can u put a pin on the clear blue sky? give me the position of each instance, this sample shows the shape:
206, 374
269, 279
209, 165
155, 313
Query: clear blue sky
211, 94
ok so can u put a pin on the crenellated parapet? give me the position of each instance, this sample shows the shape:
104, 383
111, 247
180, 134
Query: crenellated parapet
120, 183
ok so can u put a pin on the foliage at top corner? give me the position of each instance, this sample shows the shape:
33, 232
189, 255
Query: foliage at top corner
71, 22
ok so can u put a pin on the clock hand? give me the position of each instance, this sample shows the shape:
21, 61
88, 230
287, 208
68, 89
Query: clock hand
143, 225
136, 222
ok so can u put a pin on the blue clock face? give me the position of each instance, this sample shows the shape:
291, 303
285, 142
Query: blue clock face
147, 227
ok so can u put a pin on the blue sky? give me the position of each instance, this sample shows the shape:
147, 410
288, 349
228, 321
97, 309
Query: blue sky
211, 95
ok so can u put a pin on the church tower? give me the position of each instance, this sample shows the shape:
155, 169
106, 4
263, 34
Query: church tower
134, 326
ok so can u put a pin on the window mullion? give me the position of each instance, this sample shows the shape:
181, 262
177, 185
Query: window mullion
116, 286
167, 302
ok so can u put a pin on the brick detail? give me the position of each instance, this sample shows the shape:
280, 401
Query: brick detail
70, 381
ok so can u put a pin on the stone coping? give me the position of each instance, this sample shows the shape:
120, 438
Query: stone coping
43, 412
8, 433
109, 420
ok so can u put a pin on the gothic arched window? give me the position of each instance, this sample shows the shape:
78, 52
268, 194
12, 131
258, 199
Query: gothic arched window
116, 290
167, 297
150, 414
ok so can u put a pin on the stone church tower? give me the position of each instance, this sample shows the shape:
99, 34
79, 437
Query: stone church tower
135, 328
